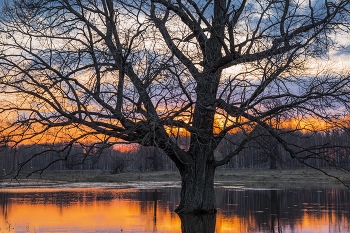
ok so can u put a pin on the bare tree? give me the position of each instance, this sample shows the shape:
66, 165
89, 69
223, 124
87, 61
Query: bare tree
79, 71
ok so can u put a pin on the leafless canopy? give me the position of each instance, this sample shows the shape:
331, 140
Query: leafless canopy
150, 71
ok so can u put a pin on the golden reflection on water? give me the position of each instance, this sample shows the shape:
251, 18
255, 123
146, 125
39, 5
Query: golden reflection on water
118, 214
87, 214
100, 210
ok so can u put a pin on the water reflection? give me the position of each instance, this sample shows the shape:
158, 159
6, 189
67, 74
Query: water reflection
198, 223
113, 210
324, 210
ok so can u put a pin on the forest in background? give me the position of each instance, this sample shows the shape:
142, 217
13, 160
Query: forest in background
264, 152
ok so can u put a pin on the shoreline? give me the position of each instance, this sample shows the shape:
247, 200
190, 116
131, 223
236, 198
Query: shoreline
247, 178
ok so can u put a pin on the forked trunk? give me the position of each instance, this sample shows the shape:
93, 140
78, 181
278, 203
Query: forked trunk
197, 190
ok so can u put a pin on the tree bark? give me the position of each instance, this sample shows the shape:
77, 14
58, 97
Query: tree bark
198, 223
197, 189
273, 154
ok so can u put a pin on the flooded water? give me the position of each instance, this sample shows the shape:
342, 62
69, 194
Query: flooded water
151, 210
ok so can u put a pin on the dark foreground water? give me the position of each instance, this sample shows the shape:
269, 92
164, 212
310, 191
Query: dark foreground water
130, 210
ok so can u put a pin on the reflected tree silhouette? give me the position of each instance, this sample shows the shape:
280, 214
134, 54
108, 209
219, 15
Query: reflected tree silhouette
155, 200
268, 211
275, 212
198, 223
4, 205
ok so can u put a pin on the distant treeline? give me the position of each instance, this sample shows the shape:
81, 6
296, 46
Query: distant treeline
318, 150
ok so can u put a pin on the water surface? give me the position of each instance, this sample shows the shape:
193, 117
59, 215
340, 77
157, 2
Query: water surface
151, 210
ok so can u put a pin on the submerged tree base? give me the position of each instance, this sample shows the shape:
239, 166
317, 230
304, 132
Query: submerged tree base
197, 189
204, 223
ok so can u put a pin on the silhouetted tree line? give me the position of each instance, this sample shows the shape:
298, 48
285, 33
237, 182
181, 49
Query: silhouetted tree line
318, 149
262, 152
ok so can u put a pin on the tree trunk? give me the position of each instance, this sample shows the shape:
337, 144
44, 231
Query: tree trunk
273, 156
197, 189
204, 223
